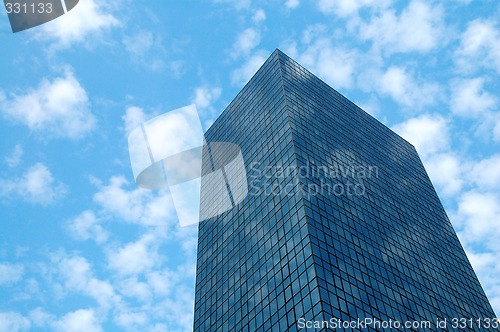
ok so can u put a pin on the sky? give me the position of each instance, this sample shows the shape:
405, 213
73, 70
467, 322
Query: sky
82, 248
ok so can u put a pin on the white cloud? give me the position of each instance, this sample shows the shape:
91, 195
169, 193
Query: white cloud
487, 267
138, 291
139, 43
130, 320
418, 28
59, 108
13, 322
238, 4
135, 257
177, 67
162, 282
445, 171
496, 128
344, 8
371, 106
478, 220
479, 216
243, 74
87, 19
75, 270
205, 96
480, 261
486, 173
134, 117
10, 273
134, 206
179, 307
315, 32
15, 158
83, 320
431, 137
87, 226
428, 133
259, 16
335, 65
292, 4
40, 317
77, 276
469, 99
401, 87
479, 46
245, 42
132, 287
36, 185
345, 68
145, 49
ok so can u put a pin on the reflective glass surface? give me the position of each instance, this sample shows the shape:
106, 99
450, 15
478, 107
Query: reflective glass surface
340, 221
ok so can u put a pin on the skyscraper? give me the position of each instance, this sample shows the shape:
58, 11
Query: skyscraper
341, 225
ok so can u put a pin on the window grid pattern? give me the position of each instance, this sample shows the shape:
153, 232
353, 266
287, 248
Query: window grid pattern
390, 253
255, 270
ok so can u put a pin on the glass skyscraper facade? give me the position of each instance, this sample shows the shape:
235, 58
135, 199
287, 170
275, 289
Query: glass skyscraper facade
341, 222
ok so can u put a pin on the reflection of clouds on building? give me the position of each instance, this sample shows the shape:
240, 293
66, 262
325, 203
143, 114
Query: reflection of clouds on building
349, 228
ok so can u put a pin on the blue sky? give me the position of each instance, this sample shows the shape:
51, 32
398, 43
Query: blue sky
83, 249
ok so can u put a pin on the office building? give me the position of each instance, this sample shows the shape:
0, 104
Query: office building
341, 222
